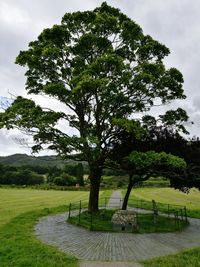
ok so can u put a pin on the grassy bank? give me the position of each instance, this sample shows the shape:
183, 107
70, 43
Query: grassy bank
20, 248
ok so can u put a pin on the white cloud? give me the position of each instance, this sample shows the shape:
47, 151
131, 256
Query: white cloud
13, 16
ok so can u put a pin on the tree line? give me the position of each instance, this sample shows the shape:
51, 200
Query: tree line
69, 175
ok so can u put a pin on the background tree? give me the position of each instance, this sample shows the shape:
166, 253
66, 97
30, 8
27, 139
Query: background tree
76, 170
11, 175
79, 174
101, 66
162, 137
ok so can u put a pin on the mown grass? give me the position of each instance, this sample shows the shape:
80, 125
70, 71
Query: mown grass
146, 223
164, 196
187, 258
143, 196
109, 181
16, 201
100, 221
20, 248
18, 245
156, 182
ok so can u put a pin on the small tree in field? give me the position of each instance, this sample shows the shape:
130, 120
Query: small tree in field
101, 66
142, 165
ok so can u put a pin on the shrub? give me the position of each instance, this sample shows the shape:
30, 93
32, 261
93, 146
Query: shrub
65, 180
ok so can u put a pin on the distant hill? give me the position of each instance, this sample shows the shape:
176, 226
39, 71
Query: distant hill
23, 159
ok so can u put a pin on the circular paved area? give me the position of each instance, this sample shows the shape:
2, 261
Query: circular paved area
105, 246
108, 264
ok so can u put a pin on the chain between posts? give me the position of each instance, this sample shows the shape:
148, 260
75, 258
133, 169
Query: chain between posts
181, 214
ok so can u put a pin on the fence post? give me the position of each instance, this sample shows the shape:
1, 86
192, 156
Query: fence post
69, 214
168, 210
120, 203
181, 214
137, 221
79, 215
185, 211
175, 218
178, 222
91, 221
105, 202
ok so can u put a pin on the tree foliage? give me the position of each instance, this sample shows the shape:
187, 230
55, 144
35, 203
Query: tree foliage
101, 66
153, 163
142, 165
10, 175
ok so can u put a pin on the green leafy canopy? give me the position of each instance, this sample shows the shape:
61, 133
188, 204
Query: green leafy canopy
152, 159
101, 66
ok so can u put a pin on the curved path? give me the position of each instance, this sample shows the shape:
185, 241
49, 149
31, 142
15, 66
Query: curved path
105, 246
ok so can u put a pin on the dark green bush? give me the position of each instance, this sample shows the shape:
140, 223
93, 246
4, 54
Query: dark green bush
18, 176
65, 180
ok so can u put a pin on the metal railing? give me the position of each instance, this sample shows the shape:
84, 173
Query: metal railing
177, 212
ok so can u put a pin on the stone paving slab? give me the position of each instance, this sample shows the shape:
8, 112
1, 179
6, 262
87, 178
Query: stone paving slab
115, 200
108, 264
117, 247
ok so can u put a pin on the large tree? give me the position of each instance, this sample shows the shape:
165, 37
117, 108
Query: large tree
101, 66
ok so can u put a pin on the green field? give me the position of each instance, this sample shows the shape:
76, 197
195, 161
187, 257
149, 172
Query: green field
19, 211
164, 196
16, 201
169, 195
121, 181
21, 208
189, 258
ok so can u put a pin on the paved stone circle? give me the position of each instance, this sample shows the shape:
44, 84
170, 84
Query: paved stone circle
107, 246
109, 264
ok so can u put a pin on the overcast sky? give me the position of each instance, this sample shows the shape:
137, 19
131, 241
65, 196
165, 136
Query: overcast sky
175, 23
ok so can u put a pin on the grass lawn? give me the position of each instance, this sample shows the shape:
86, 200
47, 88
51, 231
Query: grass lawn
122, 180
188, 258
102, 222
20, 248
167, 196
19, 211
16, 201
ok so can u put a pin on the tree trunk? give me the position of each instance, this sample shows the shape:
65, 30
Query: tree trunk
95, 178
128, 191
